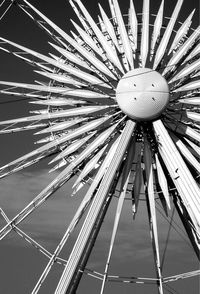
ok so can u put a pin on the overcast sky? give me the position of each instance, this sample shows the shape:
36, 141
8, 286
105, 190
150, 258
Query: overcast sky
20, 264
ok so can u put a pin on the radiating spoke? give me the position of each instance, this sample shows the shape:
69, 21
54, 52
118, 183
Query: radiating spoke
152, 210
186, 71
181, 176
137, 185
97, 204
162, 181
144, 48
62, 178
31, 55
108, 49
181, 32
182, 51
84, 204
133, 24
124, 184
157, 28
123, 34
109, 27
165, 39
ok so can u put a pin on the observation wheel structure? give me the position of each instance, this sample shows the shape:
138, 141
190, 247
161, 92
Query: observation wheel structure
120, 117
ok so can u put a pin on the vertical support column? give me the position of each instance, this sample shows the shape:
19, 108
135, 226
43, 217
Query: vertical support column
78, 251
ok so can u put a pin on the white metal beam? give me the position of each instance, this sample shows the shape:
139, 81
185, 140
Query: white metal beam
157, 28
111, 53
94, 210
168, 31
144, 46
124, 184
126, 46
180, 174
133, 22
81, 209
181, 33
162, 181
152, 210
109, 27
57, 182
182, 51
6, 44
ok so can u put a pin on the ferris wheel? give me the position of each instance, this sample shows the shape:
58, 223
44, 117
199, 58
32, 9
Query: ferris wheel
119, 119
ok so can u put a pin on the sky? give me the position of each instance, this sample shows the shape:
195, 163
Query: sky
20, 264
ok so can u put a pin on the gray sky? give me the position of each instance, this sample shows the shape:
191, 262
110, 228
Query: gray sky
21, 264
132, 255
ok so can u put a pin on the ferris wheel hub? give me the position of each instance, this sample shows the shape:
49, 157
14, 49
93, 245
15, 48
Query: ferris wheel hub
142, 94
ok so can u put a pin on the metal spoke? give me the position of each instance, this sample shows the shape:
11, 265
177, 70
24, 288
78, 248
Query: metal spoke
182, 178
123, 190
152, 210
97, 204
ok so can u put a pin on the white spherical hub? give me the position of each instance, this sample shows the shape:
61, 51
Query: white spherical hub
142, 94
